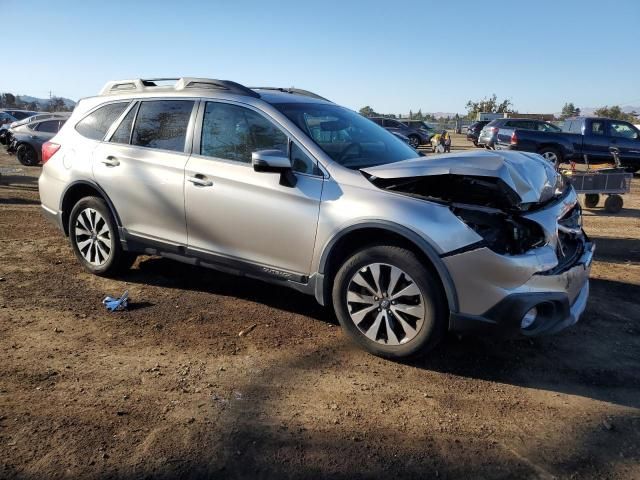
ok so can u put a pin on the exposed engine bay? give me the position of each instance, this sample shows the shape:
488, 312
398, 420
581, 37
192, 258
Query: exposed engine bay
490, 192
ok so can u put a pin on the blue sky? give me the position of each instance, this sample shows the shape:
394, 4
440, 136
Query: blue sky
392, 55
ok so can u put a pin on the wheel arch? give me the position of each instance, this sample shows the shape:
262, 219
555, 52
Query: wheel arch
356, 236
77, 190
564, 150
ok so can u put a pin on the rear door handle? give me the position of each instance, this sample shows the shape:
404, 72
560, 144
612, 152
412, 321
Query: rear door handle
200, 180
111, 161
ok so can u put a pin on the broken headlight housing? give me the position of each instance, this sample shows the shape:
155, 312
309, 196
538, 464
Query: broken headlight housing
502, 233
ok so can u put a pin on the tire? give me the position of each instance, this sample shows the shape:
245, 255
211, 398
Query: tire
591, 200
475, 144
552, 155
27, 155
103, 255
418, 322
414, 141
613, 203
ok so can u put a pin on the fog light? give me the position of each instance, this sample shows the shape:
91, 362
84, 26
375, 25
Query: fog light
529, 318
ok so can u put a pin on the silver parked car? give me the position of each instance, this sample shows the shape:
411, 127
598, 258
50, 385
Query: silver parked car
285, 186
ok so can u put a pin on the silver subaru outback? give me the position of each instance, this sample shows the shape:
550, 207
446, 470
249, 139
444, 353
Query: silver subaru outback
286, 186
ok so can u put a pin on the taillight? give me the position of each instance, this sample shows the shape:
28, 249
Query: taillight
514, 138
48, 150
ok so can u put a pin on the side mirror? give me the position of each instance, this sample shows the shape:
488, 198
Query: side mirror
270, 161
276, 162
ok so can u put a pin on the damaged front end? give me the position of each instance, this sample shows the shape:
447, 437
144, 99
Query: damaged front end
529, 228
490, 192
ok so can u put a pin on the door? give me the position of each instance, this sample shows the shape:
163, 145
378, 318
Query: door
141, 168
596, 141
237, 214
626, 138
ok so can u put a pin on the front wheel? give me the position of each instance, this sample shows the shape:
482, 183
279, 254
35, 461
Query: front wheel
414, 141
388, 303
27, 156
94, 238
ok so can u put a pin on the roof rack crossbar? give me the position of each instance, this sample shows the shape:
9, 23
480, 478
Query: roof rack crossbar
297, 91
145, 84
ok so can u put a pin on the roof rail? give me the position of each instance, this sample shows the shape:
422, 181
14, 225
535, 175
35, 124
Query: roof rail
149, 84
296, 91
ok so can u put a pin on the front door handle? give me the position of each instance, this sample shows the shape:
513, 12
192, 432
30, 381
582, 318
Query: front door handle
200, 180
111, 161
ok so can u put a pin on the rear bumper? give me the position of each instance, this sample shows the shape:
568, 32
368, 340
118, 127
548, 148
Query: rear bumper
53, 217
559, 307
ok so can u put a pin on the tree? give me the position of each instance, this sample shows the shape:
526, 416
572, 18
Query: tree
616, 113
367, 112
56, 104
488, 105
569, 110
8, 100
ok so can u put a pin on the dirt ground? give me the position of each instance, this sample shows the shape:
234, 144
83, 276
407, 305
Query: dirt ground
169, 389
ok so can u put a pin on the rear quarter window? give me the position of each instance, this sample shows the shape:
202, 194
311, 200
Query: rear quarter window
97, 123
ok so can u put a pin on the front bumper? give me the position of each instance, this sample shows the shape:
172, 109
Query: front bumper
560, 300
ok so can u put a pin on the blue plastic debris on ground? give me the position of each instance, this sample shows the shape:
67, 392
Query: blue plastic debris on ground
114, 304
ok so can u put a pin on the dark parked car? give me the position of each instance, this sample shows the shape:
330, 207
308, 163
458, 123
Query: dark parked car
489, 134
416, 136
473, 131
420, 125
19, 114
594, 137
5, 130
27, 139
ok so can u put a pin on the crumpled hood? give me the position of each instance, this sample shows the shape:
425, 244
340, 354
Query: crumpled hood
531, 177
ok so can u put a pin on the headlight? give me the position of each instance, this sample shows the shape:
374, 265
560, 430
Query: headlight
502, 233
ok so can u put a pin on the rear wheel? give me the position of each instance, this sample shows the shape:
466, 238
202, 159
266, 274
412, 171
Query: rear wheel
591, 200
414, 141
94, 238
388, 303
552, 155
27, 155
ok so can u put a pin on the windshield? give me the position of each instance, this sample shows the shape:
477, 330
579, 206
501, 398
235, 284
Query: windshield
346, 136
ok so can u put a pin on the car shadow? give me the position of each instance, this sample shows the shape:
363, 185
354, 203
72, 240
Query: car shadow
596, 358
163, 272
577, 361
617, 250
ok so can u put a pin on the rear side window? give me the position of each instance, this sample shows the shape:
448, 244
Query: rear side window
123, 132
597, 128
50, 126
96, 124
162, 124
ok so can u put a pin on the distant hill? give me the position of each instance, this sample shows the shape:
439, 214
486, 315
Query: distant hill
588, 111
44, 102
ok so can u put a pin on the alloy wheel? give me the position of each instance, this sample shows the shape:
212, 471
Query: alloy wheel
551, 157
385, 303
93, 237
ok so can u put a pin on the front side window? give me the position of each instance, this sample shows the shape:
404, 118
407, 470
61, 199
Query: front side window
232, 133
346, 136
96, 124
162, 124
623, 130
